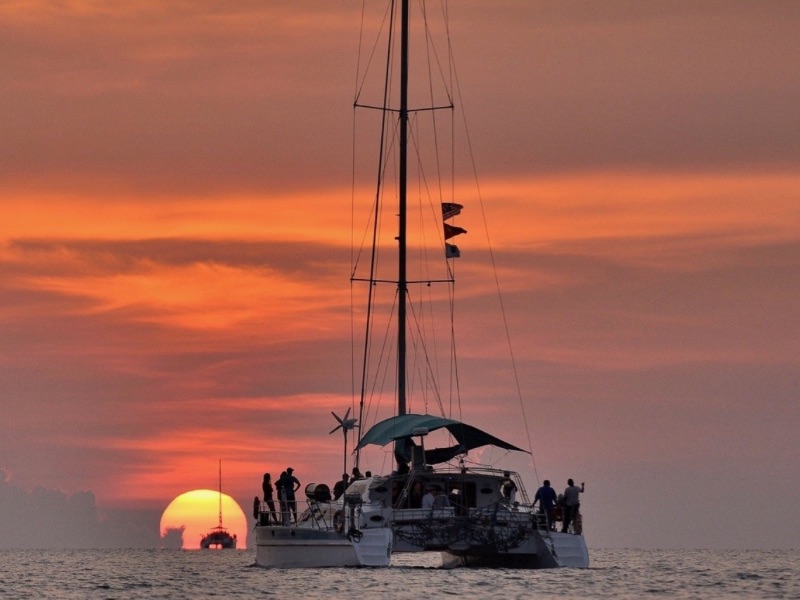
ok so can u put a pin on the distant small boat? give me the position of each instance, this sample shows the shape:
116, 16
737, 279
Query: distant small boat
219, 537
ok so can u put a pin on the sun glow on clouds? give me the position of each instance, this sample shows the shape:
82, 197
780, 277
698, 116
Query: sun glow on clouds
258, 433
219, 217
195, 296
636, 205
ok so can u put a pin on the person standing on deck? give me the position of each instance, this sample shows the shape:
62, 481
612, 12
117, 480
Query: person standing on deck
266, 488
509, 488
289, 485
572, 503
546, 497
281, 497
340, 486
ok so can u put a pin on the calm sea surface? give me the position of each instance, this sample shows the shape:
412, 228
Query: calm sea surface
196, 574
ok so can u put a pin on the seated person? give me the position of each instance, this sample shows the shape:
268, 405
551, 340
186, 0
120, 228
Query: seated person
435, 499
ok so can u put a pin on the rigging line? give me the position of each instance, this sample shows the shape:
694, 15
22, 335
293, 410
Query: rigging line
384, 361
454, 381
451, 265
373, 261
431, 95
420, 339
435, 210
496, 276
375, 213
356, 88
431, 51
360, 88
423, 262
436, 154
436, 214
454, 385
432, 47
353, 253
383, 144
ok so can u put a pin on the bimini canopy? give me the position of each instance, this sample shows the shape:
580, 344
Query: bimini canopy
405, 426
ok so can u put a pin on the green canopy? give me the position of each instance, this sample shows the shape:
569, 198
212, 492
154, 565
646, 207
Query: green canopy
404, 426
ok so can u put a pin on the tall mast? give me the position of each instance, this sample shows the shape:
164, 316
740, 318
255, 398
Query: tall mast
220, 493
402, 282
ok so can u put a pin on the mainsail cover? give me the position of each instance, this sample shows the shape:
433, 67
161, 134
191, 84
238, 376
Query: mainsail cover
404, 426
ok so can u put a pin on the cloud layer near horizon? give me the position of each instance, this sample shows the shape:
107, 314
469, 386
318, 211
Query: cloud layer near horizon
175, 248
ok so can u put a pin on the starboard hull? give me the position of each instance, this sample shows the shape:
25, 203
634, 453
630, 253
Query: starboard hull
537, 552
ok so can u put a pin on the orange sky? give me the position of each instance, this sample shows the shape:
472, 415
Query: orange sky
175, 250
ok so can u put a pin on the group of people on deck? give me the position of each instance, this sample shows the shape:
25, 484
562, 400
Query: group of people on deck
286, 486
565, 506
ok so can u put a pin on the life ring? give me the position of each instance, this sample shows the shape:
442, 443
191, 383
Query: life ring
338, 521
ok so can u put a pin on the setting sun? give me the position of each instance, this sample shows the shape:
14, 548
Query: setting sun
193, 514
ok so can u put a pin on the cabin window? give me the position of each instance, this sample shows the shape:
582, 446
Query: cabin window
462, 495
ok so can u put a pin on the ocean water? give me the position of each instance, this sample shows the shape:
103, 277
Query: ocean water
202, 574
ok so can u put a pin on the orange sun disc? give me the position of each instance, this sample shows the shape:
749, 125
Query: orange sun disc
193, 514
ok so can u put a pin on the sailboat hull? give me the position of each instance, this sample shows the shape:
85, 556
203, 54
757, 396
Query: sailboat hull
299, 547
480, 528
537, 552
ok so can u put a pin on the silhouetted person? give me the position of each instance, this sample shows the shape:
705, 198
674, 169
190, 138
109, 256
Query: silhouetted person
289, 485
266, 488
509, 488
572, 503
546, 497
340, 486
415, 497
282, 498
435, 499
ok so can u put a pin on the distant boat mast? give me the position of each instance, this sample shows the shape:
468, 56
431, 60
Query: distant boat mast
220, 493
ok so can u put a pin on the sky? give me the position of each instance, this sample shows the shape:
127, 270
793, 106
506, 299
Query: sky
175, 255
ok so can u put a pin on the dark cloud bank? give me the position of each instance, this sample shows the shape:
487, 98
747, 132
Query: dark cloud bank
46, 518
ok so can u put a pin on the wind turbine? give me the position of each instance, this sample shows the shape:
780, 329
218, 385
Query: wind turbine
345, 425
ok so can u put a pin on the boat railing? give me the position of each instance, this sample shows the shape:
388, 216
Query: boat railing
497, 513
408, 515
318, 515
500, 513
264, 514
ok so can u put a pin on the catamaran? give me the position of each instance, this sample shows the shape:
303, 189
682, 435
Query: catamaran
433, 499
219, 537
